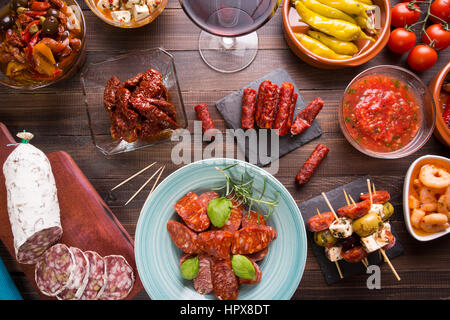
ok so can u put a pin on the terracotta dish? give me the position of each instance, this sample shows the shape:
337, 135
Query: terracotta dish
442, 132
367, 49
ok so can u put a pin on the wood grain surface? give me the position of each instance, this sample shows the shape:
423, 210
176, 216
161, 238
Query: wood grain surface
57, 117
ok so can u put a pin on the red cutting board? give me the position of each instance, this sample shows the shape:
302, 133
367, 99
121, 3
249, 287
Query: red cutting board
86, 220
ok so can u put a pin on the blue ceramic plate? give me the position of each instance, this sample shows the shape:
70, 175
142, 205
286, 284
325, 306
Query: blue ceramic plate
157, 256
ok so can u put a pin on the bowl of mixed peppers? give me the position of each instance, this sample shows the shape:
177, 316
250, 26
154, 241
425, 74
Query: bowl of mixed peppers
332, 34
41, 42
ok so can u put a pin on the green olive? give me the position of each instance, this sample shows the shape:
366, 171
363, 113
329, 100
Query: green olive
324, 238
50, 25
367, 224
388, 211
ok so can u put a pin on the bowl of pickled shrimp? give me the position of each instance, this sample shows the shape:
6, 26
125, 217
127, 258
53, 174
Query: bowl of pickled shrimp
426, 198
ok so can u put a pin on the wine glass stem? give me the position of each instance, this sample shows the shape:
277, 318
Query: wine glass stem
228, 42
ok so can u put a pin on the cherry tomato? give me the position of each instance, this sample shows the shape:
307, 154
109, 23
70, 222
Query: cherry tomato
437, 33
402, 14
422, 57
441, 9
401, 40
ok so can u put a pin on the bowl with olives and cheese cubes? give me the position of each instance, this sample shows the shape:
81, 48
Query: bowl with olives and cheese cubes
127, 13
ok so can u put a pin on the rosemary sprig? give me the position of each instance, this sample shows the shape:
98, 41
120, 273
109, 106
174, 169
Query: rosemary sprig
242, 191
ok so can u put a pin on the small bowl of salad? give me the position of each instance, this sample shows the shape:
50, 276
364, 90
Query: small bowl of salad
387, 112
127, 13
41, 42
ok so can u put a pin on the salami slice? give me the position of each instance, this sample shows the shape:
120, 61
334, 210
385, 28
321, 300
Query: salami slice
191, 210
183, 237
203, 282
252, 239
258, 275
225, 282
55, 271
96, 278
253, 219
80, 277
216, 243
32, 202
119, 278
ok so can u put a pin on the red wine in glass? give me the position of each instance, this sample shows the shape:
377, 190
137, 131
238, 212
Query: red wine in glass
229, 41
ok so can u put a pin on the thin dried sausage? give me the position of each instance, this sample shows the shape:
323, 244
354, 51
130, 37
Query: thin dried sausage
379, 196
260, 100
203, 115
225, 282
311, 164
248, 109
320, 222
269, 110
284, 106
307, 116
355, 211
292, 110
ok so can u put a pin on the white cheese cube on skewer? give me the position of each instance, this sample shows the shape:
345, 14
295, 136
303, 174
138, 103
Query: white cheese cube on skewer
121, 16
140, 12
341, 228
334, 253
131, 3
152, 4
377, 240
378, 209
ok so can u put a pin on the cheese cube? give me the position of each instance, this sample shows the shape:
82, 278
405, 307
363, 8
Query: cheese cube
370, 244
341, 228
108, 4
121, 16
378, 209
334, 253
377, 240
140, 12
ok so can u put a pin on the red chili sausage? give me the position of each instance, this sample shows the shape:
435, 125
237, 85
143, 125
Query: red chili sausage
284, 106
269, 110
355, 211
203, 115
311, 164
379, 196
300, 125
216, 243
252, 219
190, 209
260, 100
319, 223
252, 239
206, 197
248, 109
308, 115
257, 256
292, 110
354, 255
183, 237
225, 282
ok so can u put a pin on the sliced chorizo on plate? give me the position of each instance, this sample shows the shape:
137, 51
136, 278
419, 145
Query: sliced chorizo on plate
183, 237
253, 219
234, 220
203, 282
216, 243
355, 211
252, 239
258, 256
225, 282
119, 278
206, 197
320, 222
379, 196
191, 210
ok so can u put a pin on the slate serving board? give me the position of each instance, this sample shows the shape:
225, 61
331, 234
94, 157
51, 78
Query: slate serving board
337, 200
87, 222
230, 107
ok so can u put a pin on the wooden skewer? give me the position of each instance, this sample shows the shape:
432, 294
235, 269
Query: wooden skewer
353, 201
370, 191
346, 197
133, 176
318, 212
373, 187
143, 186
154, 185
329, 205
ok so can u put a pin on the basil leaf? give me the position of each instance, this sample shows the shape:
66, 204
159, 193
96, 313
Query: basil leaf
189, 268
243, 267
219, 211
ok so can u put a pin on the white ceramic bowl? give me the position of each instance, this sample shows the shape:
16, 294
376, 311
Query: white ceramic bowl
406, 211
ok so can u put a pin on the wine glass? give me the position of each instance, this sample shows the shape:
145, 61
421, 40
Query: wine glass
228, 41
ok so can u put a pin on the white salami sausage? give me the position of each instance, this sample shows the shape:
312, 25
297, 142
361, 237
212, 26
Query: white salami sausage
120, 278
80, 277
55, 270
32, 202
97, 276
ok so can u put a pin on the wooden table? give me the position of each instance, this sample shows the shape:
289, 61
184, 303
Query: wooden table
56, 115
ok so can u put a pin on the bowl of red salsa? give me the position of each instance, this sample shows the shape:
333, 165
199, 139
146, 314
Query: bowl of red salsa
387, 112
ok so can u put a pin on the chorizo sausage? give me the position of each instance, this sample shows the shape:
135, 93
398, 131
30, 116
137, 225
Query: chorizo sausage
354, 255
311, 164
319, 223
234, 220
216, 243
307, 115
248, 109
260, 100
252, 239
284, 106
270, 102
203, 115
292, 110
203, 281
190, 209
225, 282
355, 211
206, 197
253, 219
183, 237
379, 196
257, 256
